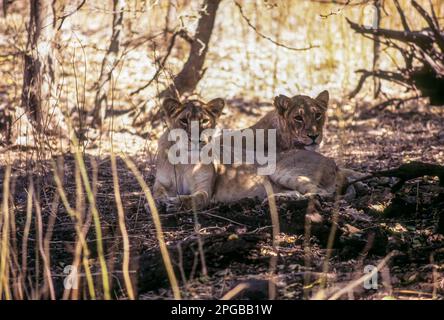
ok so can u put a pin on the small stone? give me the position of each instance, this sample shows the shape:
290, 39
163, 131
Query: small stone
441, 136
350, 194
361, 188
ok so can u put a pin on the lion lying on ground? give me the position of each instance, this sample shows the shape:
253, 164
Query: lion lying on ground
299, 123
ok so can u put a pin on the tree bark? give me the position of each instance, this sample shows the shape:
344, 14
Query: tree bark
38, 77
6, 120
376, 51
192, 71
109, 63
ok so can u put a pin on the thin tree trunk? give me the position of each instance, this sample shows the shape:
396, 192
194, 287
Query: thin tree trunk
6, 120
109, 63
192, 71
38, 77
376, 51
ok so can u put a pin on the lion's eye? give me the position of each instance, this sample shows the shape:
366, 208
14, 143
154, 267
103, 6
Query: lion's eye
184, 121
318, 116
205, 122
299, 119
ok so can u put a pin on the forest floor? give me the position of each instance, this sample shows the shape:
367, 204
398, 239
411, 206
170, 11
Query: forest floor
397, 229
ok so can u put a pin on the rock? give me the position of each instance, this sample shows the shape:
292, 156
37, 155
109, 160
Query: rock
350, 194
361, 188
441, 136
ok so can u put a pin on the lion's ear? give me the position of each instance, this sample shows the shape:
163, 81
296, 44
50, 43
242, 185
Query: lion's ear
216, 106
323, 98
282, 103
170, 106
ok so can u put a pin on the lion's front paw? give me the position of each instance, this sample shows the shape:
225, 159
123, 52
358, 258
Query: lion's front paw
161, 206
174, 203
188, 202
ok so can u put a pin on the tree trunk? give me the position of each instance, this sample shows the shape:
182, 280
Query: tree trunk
376, 51
109, 63
38, 77
6, 120
192, 71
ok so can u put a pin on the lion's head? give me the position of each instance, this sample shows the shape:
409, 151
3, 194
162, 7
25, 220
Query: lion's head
301, 120
181, 115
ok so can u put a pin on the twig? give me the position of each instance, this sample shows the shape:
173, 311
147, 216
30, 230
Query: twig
223, 218
340, 2
333, 13
420, 38
402, 16
385, 75
408, 171
436, 32
62, 18
247, 20
161, 65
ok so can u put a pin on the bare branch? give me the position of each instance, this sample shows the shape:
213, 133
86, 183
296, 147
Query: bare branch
62, 18
247, 20
161, 65
381, 74
435, 18
402, 16
438, 37
339, 2
338, 11
109, 63
420, 38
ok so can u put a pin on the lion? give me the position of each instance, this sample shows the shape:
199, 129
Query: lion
185, 184
300, 170
298, 121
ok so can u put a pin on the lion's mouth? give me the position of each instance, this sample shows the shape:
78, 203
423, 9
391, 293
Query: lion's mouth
312, 147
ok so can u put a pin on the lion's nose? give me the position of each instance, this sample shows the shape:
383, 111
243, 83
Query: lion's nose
313, 136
